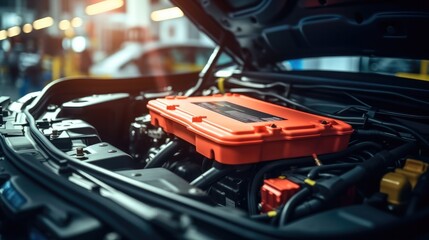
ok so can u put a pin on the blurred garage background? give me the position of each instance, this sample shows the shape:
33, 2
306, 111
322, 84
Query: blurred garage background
45, 40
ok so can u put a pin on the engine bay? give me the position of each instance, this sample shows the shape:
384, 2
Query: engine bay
280, 159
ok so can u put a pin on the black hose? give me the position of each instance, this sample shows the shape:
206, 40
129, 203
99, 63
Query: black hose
316, 170
255, 183
369, 168
376, 133
205, 180
356, 147
164, 154
290, 205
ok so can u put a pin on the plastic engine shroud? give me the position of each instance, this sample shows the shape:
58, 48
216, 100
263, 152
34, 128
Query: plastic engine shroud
236, 129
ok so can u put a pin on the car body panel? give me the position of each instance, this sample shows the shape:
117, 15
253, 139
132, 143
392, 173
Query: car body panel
264, 32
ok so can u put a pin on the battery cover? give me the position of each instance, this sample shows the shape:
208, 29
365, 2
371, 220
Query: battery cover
236, 129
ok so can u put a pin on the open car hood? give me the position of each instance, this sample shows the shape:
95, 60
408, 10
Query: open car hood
260, 33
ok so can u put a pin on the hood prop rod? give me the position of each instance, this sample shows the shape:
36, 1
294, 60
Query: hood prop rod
206, 72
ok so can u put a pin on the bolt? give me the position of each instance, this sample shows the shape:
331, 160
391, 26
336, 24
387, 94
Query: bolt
273, 126
54, 134
79, 152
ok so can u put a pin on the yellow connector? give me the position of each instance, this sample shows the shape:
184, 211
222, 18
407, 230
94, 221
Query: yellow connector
271, 214
398, 185
310, 182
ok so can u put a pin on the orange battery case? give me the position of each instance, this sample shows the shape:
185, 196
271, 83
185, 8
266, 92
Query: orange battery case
236, 129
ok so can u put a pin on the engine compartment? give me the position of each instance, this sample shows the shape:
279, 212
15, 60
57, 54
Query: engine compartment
360, 167
379, 172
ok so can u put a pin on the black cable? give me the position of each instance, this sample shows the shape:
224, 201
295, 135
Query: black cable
398, 126
357, 100
290, 205
324, 104
360, 90
351, 107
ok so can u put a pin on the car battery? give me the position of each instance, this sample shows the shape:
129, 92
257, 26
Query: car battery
236, 129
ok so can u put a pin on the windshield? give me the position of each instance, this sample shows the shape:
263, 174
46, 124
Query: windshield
408, 68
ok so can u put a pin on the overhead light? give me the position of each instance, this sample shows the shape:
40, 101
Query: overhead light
166, 14
13, 31
64, 25
103, 6
3, 35
76, 22
78, 44
43, 23
27, 28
